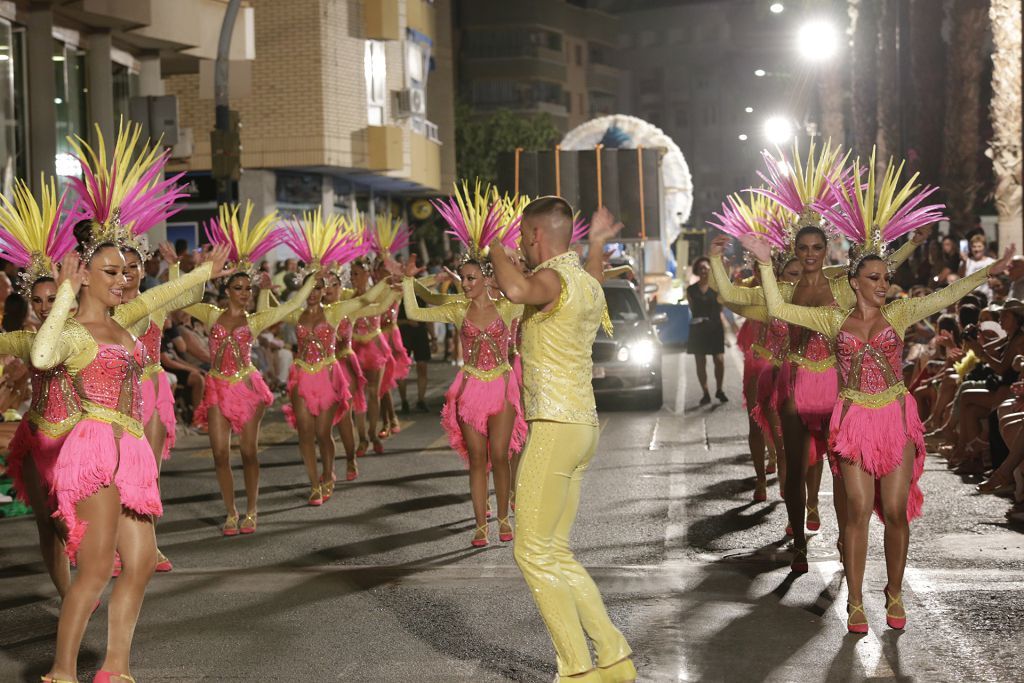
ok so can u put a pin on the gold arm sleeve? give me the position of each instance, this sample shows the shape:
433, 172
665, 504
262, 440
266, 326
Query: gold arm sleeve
842, 292
347, 308
263, 319
18, 344
758, 313
730, 293
903, 313
207, 314
154, 299
617, 272
900, 256
435, 298
51, 346
818, 318
451, 312
265, 300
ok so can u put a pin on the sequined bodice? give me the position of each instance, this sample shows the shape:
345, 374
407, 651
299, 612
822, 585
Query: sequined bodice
317, 343
809, 345
485, 349
150, 340
232, 351
775, 338
344, 337
873, 367
54, 398
390, 317
367, 325
112, 380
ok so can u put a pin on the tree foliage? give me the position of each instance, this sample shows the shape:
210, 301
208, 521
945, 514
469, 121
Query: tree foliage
481, 137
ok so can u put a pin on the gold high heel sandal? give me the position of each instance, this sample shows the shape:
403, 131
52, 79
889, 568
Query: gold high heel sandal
248, 525
622, 671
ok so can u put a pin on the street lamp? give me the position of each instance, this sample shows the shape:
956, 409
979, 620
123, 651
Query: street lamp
760, 73
777, 8
743, 137
817, 40
749, 110
778, 130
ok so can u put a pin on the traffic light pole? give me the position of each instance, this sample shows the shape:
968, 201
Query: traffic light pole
224, 141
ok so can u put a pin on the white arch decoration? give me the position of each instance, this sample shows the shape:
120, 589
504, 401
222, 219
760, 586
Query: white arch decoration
677, 183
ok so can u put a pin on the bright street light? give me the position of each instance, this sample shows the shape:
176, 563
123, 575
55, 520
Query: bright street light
777, 8
760, 73
778, 130
743, 137
749, 110
817, 40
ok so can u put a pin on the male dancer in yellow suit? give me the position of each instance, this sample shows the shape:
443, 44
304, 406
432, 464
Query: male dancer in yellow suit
564, 308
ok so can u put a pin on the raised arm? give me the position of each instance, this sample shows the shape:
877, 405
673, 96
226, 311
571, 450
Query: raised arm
903, 313
162, 296
339, 310
539, 290
451, 312
758, 312
263, 319
17, 344
51, 345
729, 293
434, 298
822, 319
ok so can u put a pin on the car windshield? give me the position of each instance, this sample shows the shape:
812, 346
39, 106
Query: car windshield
623, 305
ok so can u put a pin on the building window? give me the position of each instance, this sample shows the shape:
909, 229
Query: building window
648, 38
9, 166
126, 86
579, 54
375, 65
70, 93
579, 103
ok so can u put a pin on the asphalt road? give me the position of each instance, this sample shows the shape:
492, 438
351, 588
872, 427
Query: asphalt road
380, 584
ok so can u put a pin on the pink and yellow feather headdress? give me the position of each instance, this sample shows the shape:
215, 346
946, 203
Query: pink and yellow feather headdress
802, 184
475, 218
126, 194
247, 242
874, 213
321, 241
35, 236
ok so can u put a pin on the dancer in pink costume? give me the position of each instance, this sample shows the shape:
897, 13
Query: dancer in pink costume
236, 395
34, 237
319, 389
388, 236
374, 353
483, 414
105, 479
875, 431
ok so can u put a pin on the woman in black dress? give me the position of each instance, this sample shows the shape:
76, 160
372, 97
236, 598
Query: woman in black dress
707, 334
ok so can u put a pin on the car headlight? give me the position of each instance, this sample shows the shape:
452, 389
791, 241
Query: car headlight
641, 352
623, 354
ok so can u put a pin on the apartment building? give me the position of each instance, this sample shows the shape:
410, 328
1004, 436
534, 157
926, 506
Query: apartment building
348, 104
538, 56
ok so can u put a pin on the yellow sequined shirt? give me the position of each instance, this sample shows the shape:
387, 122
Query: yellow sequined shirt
557, 345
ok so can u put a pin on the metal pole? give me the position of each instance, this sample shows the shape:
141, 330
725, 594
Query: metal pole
225, 192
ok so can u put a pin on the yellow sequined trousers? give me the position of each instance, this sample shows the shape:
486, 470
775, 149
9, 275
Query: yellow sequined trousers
547, 498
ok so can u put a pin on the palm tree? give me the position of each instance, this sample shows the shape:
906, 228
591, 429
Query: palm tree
1005, 146
864, 81
962, 131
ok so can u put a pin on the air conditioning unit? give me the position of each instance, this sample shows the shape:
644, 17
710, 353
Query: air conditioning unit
410, 102
186, 143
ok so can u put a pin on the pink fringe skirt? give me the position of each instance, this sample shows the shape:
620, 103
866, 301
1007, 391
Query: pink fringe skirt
237, 401
320, 391
767, 399
354, 375
91, 459
157, 397
747, 335
403, 363
374, 354
472, 401
874, 439
43, 449
815, 395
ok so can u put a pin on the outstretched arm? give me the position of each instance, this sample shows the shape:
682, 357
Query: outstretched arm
818, 318
451, 312
51, 346
903, 313
540, 290
161, 296
17, 344
270, 317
